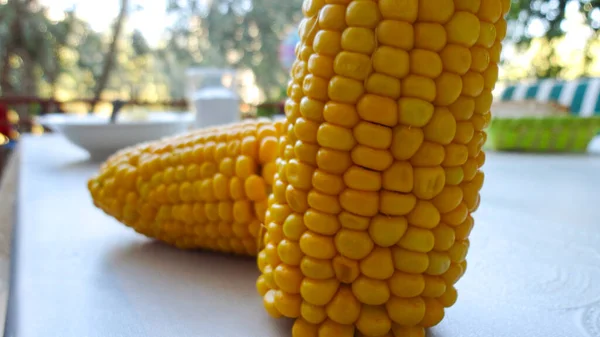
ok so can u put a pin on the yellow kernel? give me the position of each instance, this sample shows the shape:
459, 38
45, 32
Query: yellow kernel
462, 109
392, 203
207, 191
249, 146
306, 152
353, 244
457, 215
439, 262
480, 59
324, 202
399, 9
255, 188
333, 161
315, 87
374, 159
467, 5
317, 246
346, 270
430, 36
424, 215
453, 274
345, 90
269, 304
425, 62
414, 112
386, 231
449, 297
448, 88
329, 328
391, 61
434, 313
288, 304
343, 308
456, 58
395, 34
312, 7
225, 211
293, 227
448, 199
454, 175
370, 291
207, 170
362, 14
373, 135
353, 221
291, 109
373, 321
327, 183
464, 132
302, 327
362, 179
398, 177
408, 331
358, 39
441, 127
406, 285
340, 114
316, 268
417, 239
332, 17
275, 233
288, 278
405, 141
268, 149
410, 261
435, 10
406, 311
245, 166
483, 102
428, 182
306, 130
186, 191
314, 314
499, 32
299, 174
318, 292
495, 51
490, 10
429, 154
462, 231
242, 212
193, 171
378, 264
328, 42
419, 87
236, 188
352, 65
297, 199
321, 66
463, 29
335, 137
456, 154
307, 33
472, 84
378, 109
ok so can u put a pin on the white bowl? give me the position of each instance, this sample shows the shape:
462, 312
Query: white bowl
100, 138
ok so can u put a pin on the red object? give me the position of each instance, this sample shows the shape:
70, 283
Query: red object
5, 127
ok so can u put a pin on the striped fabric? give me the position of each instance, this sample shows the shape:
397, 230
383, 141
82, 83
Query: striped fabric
581, 95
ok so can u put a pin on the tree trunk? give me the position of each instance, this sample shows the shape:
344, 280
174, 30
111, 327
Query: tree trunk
109, 58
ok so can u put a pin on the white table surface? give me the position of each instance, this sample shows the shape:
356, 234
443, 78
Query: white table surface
534, 262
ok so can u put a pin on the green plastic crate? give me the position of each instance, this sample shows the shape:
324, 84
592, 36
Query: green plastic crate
542, 134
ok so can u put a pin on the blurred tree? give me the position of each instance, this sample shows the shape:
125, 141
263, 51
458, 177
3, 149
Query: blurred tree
236, 33
550, 16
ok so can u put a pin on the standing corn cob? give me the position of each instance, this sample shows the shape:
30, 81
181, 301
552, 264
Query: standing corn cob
206, 189
379, 169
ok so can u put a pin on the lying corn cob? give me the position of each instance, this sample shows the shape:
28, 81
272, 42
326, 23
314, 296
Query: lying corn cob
379, 170
206, 189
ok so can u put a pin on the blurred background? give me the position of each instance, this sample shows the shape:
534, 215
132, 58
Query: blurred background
80, 55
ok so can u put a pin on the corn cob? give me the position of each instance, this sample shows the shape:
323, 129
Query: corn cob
379, 168
205, 189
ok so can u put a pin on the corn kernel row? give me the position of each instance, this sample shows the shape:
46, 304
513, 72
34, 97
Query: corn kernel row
379, 167
205, 189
